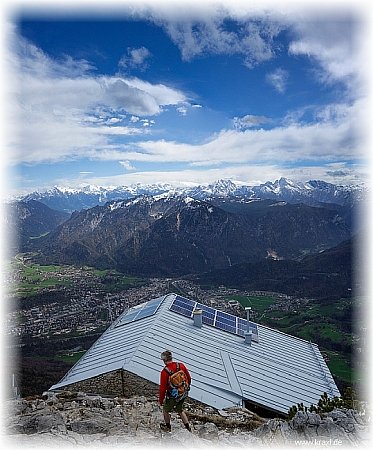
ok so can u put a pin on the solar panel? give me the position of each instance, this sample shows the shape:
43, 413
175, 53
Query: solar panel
140, 311
183, 306
226, 322
241, 325
208, 314
215, 318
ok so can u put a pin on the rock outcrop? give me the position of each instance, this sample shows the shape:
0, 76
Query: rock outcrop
75, 418
340, 427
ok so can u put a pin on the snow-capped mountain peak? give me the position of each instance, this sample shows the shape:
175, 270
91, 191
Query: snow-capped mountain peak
312, 192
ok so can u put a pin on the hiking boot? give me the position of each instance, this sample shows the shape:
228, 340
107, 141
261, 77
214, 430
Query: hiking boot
165, 426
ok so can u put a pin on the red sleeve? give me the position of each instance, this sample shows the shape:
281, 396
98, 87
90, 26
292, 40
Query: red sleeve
163, 386
182, 367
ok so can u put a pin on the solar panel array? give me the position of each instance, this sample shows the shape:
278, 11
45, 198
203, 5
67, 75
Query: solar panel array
141, 311
215, 318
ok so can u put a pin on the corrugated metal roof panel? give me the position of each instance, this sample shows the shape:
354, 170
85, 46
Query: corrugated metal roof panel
278, 372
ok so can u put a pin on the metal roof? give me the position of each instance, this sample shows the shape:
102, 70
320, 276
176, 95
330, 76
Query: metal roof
277, 372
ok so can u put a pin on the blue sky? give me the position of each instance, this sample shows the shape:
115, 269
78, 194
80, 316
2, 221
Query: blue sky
186, 92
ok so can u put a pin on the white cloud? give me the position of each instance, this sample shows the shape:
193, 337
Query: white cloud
249, 121
127, 165
249, 173
335, 44
213, 35
182, 110
337, 134
136, 58
162, 94
327, 141
53, 101
32, 60
192, 176
278, 79
185, 107
114, 120
334, 37
119, 94
114, 130
60, 98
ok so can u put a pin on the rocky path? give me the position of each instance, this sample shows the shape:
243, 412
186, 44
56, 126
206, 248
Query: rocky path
78, 419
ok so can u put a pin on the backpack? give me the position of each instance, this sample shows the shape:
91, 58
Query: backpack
178, 385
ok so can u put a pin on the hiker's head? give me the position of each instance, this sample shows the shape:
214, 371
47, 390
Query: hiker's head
166, 356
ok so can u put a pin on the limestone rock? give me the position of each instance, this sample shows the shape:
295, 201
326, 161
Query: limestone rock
81, 419
344, 427
208, 431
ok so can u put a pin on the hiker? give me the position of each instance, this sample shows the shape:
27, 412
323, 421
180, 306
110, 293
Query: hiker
173, 389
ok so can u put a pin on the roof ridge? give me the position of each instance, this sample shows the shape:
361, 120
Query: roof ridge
322, 369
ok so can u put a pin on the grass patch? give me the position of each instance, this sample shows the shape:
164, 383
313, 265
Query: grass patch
259, 303
119, 282
47, 269
71, 359
322, 331
339, 366
323, 310
28, 290
99, 273
278, 319
332, 333
35, 278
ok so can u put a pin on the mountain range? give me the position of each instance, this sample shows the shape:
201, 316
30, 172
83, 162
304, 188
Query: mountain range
173, 234
259, 237
314, 193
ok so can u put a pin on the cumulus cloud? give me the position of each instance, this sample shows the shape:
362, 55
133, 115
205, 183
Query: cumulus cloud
252, 33
335, 44
162, 94
61, 109
332, 137
68, 111
327, 141
119, 94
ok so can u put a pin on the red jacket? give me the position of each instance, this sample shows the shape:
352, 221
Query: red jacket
163, 385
